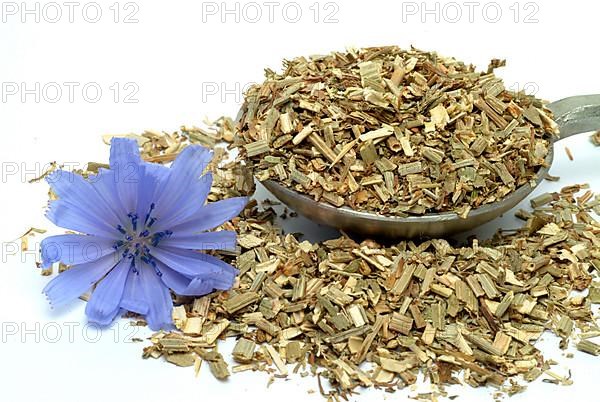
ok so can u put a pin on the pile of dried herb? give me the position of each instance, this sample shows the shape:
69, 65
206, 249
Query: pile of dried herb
393, 132
596, 138
361, 314
368, 315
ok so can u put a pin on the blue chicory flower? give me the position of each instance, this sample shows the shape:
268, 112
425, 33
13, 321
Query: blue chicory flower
141, 225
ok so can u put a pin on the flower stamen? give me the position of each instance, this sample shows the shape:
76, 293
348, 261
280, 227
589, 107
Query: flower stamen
149, 213
133, 267
155, 266
134, 220
157, 237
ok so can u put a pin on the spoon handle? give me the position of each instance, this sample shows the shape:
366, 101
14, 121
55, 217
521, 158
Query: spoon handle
577, 114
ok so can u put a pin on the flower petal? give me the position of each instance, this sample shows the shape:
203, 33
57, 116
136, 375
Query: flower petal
134, 298
73, 249
193, 264
227, 278
75, 281
153, 177
124, 151
191, 162
188, 204
221, 240
158, 298
69, 216
81, 193
146, 294
104, 304
105, 183
210, 216
184, 174
183, 285
127, 164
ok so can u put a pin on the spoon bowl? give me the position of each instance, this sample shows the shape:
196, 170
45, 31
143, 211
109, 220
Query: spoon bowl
577, 114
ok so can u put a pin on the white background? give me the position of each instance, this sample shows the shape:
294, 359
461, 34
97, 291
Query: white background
178, 56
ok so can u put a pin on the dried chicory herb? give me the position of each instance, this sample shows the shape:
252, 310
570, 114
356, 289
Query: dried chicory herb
361, 314
393, 132
596, 138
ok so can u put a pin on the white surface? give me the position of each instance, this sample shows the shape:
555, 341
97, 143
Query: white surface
172, 56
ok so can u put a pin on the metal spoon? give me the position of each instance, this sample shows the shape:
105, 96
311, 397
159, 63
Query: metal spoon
574, 115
